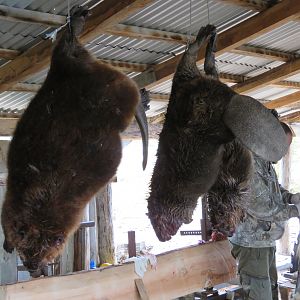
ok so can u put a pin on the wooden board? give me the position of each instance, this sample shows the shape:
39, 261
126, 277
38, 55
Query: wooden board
179, 272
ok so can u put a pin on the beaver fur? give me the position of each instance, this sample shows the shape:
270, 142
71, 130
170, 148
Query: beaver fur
198, 151
191, 143
65, 148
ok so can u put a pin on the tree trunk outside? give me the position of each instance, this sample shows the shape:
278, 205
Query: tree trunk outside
105, 225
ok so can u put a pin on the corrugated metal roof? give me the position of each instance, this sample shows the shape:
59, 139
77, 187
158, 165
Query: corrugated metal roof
284, 38
133, 50
14, 100
53, 6
175, 15
21, 36
270, 93
181, 16
295, 78
240, 64
162, 88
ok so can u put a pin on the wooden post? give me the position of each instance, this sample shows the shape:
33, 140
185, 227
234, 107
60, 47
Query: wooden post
82, 245
284, 246
131, 244
93, 232
67, 257
105, 226
204, 220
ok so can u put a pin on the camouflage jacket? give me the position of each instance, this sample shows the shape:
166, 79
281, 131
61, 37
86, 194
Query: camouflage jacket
267, 211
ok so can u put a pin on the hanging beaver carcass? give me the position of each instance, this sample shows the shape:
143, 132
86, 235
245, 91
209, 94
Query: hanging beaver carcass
65, 148
207, 132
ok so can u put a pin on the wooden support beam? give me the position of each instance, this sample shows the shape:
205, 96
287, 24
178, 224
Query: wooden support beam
263, 53
292, 117
35, 59
110, 13
179, 272
230, 39
13, 14
25, 87
8, 54
269, 77
287, 84
125, 66
284, 101
159, 97
147, 33
141, 289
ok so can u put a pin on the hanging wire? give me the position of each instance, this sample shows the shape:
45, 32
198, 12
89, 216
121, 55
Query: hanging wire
189, 40
208, 17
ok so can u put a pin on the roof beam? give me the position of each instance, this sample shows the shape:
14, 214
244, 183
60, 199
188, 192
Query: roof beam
269, 77
25, 87
263, 53
284, 101
8, 54
12, 14
35, 59
230, 39
125, 66
154, 34
287, 84
292, 117
159, 97
147, 33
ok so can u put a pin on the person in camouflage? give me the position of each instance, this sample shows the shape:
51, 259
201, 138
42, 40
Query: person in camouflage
254, 240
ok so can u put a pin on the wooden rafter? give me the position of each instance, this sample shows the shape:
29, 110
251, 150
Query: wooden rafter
105, 14
146, 33
126, 66
159, 97
269, 77
232, 38
8, 13
292, 117
287, 84
8, 54
25, 87
263, 53
284, 101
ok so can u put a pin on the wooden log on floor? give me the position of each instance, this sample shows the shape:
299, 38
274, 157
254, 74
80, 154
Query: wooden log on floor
179, 272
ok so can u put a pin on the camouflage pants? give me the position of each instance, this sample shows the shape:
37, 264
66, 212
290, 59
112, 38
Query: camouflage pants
257, 270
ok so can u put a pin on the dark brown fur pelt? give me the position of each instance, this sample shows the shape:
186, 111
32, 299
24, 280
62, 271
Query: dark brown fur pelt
189, 154
227, 198
65, 148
